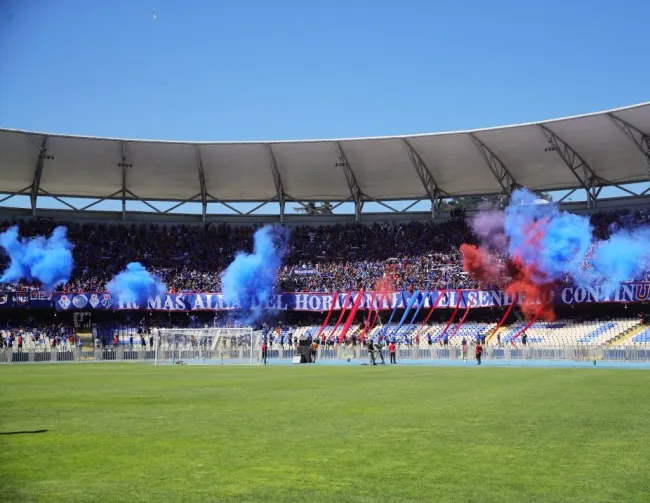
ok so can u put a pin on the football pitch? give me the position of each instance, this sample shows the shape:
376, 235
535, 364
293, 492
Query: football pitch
132, 432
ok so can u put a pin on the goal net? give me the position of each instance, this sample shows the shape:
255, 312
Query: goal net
221, 346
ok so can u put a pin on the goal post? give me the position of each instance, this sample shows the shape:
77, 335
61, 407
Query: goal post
221, 346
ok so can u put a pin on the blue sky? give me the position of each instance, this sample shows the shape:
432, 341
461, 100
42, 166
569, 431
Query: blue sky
253, 70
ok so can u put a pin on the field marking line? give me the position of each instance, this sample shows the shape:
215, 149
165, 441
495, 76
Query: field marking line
471, 369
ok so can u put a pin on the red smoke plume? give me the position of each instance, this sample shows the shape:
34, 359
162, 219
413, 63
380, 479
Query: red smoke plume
482, 265
512, 275
384, 284
529, 293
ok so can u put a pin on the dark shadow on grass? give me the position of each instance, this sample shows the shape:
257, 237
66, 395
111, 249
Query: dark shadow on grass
26, 432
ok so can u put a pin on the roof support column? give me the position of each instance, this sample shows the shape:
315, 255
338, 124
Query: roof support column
426, 177
123, 193
122, 164
204, 193
351, 179
436, 202
578, 166
498, 169
38, 172
277, 179
640, 139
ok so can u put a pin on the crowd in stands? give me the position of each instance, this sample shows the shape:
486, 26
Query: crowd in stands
558, 333
190, 258
42, 336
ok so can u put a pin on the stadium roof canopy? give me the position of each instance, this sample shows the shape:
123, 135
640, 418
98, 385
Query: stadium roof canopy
582, 152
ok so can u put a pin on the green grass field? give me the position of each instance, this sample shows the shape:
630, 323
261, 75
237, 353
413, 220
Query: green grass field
131, 432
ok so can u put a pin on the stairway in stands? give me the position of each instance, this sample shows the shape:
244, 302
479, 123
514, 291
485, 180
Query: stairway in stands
625, 338
87, 339
492, 339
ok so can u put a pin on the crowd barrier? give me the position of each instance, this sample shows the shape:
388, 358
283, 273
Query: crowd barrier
631, 354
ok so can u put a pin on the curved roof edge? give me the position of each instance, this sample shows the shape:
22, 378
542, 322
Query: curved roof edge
322, 140
578, 152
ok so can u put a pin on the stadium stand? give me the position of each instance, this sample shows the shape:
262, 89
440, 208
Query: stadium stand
571, 332
642, 338
190, 258
39, 343
420, 255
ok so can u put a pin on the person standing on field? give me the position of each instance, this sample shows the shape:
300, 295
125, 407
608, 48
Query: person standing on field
371, 351
392, 350
378, 347
314, 350
264, 351
479, 353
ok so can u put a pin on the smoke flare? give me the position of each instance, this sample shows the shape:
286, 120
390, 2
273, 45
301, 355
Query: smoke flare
48, 260
250, 278
624, 256
136, 284
547, 246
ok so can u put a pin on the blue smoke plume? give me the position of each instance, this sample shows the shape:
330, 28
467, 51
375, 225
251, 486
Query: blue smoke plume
565, 245
136, 284
48, 260
249, 280
624, 256
559, 244
554, 241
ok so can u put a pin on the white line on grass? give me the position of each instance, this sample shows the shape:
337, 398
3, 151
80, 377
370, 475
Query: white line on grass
448, 372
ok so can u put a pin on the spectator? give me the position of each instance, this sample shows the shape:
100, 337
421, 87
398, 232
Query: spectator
190, 258
479, 353
392, 350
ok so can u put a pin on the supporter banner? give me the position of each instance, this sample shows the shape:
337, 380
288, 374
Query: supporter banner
631, 292
627, 293
305, 271
18, 300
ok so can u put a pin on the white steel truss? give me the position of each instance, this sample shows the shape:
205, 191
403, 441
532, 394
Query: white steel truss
640, 139
426, 177
351, 179
496, 166
580, 168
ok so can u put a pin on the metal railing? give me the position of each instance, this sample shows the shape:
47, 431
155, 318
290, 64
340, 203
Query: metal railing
630, 354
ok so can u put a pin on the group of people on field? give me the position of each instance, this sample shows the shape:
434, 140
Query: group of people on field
478, 350
374, 351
